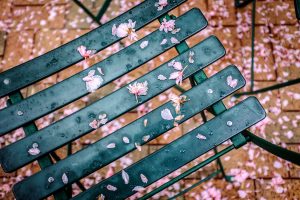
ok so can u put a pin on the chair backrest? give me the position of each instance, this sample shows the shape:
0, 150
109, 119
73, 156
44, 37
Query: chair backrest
106, 150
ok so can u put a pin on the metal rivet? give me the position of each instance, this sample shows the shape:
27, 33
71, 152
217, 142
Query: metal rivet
20, 113
50, 179
210, 91
6, 81
229, 123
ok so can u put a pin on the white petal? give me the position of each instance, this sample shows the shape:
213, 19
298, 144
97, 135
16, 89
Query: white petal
126, 140
174, 40
200, 136
161, 77
146, 138
174, 75
138, 146
125, 177
111, 188
100, 71
177, 66
138, 189
232, 82
166, 114
144, 44
102, 116
144, 178
64, 178
164, 41
111, 146
94, 84
145, 122
179, 117
34, 151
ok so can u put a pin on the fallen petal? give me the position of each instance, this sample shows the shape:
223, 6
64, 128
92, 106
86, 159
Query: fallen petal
111, 146
126, 140
144, 44
34, 151
64, 178
125, 177
174, 40
146, 138
138, 189
111, 188
164, 41
200, 136
179, 117
138, 146
144, 178
161, 77
145, 122
166, 114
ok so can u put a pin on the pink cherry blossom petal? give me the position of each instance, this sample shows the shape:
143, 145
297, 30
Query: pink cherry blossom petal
111, 188
161, 77
34, 151
166, 114
138, 189
145, 122
174, 40
164, 41
138, 89
144, 44
161, 4
64, 178
125, 177
144, 178
232, 82
138, 146
146, 138
126, 140
111, 146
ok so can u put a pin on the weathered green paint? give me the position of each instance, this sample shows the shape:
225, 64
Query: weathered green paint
97, 155
67, 55
181, 151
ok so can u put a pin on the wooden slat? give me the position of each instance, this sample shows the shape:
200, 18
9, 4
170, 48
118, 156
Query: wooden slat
67, 55
96, 155
114, 105
114, 66
181, 151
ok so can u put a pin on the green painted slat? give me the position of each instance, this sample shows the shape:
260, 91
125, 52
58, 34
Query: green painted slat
45, 161
114, 105
96, 155
113, 67
181, 151
66, 55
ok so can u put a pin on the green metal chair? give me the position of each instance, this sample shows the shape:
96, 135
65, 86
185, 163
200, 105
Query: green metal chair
206, 93
96, 18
